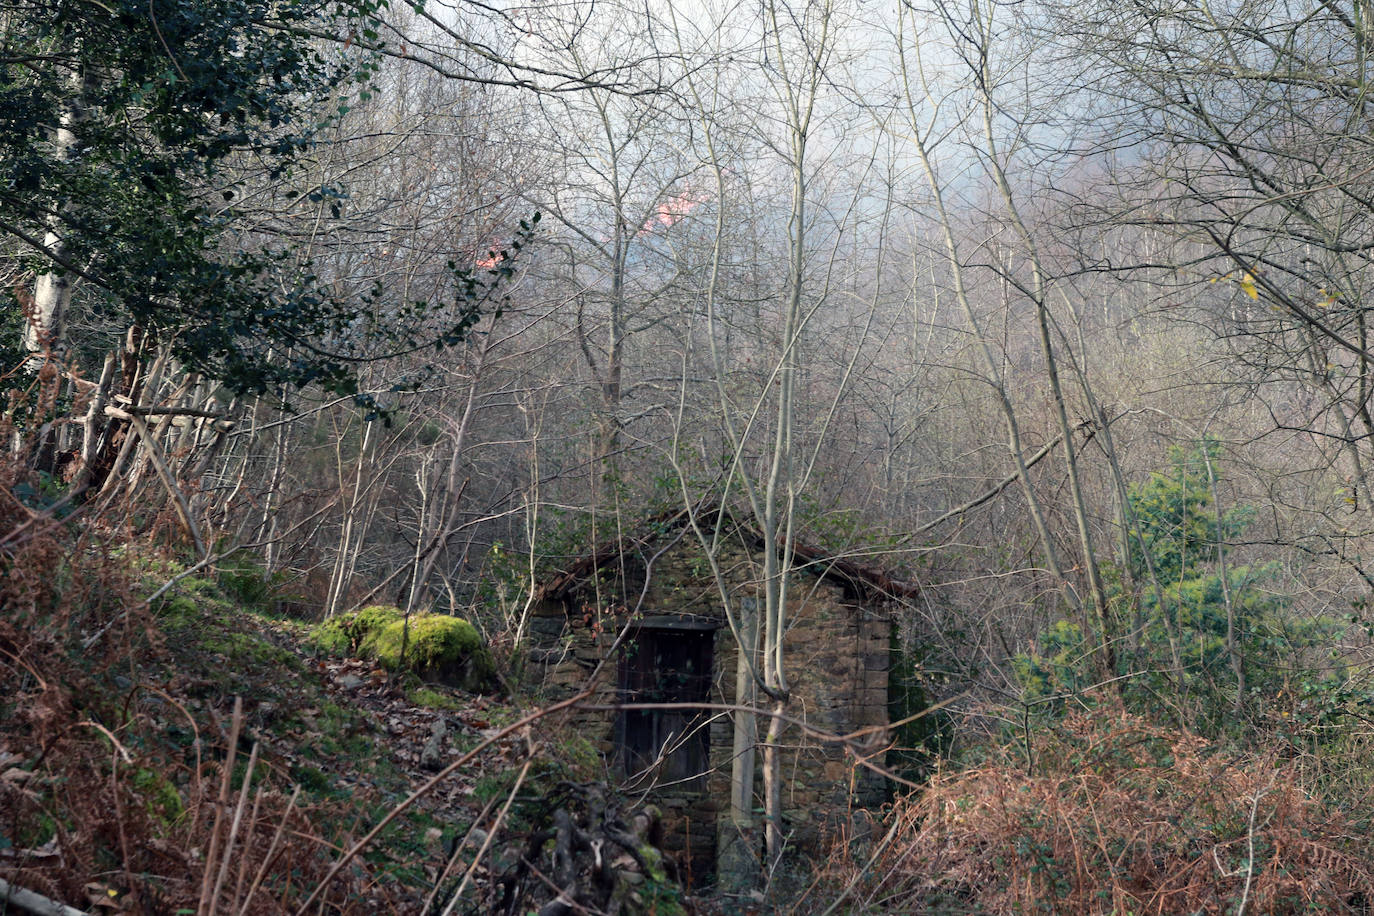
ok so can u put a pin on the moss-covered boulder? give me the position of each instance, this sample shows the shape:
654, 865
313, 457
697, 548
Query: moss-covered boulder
438, 648
349, 634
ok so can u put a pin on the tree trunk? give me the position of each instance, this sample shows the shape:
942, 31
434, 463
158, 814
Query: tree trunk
45, 333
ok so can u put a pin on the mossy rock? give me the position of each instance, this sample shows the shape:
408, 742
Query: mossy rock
349, 634
438, 648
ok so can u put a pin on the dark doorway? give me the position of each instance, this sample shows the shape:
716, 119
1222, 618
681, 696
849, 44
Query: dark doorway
666, 665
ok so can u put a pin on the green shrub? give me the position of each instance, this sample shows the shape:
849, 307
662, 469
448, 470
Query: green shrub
160, 797
243, 579
175, 610
1176, 600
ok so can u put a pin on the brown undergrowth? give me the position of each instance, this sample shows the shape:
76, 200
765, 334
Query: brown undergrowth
169, 744
1116, 815
113, 796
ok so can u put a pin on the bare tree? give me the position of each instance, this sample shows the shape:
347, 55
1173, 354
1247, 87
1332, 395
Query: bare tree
1247, 125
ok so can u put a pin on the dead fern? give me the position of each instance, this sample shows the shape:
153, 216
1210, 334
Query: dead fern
1118, 816
98, 808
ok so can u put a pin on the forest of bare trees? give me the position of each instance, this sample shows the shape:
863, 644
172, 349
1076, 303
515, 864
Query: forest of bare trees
1054, 310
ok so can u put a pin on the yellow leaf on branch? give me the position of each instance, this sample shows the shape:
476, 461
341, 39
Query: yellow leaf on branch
1247, 283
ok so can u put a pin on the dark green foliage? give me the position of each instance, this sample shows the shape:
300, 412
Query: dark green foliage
1180, 552
1058, 664
836, 529
180, 108
1177, 526
245, 581
11, 335
918, 743
44, 492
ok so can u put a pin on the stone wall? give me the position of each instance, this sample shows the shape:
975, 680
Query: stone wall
836, 651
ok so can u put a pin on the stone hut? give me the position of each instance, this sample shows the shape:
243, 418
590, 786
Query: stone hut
655, 593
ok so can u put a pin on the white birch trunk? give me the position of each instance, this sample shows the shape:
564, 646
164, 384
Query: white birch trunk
45, 332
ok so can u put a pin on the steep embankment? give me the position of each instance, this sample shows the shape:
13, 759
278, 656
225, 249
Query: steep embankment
126, 733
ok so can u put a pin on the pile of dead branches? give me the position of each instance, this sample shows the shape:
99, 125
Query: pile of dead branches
579, 849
